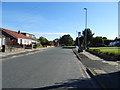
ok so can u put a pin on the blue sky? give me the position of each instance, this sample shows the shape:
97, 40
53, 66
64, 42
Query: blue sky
52, 19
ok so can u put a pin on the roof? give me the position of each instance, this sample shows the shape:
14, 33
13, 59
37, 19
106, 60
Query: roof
31, 36
16, 34
26, 33
34, 39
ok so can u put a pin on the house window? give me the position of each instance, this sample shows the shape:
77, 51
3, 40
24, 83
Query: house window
20, 41
7, 38
25, 41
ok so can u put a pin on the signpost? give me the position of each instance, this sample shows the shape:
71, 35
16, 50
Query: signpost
80, 49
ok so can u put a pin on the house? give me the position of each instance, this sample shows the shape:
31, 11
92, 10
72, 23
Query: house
32, 37
2, 39
15, 39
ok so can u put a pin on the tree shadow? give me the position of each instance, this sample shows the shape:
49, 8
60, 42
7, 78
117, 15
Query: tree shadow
109, 80
70, 84
65, 47
106, 81
103, 81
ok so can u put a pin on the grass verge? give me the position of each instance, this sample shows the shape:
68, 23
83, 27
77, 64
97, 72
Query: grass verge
108, 53
107, 50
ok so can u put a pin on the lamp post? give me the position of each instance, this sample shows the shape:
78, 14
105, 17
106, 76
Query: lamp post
85, 29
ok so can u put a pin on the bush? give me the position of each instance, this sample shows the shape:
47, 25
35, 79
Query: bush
37, 45
118, 57
107, 53
101, 52
112, 54
96, 50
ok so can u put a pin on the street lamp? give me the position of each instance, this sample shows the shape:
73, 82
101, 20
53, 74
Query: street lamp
85, 29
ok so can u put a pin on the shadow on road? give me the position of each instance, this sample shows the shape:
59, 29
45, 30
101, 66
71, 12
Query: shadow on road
70, 84
110, 80
68, 47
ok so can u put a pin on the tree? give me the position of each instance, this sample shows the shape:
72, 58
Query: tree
89, 35
56, 40
96, 40
43, 41
81, 39
100, 40
107, 41
51, 43
104, 37
66, 40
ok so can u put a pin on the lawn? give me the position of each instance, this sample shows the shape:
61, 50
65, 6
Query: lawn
114, 50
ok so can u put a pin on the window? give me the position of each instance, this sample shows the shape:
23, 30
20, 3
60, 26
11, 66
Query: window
20, 41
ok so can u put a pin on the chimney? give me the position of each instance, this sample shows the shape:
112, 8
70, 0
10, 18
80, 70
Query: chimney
18, 31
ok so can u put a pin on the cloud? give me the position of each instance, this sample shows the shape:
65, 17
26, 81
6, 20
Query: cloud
52, 33
49, 36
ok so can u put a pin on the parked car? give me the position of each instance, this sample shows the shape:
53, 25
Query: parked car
117, 44
112, 44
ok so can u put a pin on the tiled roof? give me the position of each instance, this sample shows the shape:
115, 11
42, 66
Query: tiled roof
16, 34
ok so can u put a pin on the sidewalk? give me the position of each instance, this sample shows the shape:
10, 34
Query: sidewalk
19, 52
105, 72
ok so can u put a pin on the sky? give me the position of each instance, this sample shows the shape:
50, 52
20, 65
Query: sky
119, 19
54, 19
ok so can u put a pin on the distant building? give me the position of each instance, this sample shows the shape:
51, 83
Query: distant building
56, 43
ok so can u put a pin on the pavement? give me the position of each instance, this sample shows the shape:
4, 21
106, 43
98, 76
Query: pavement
5, 55
106, 73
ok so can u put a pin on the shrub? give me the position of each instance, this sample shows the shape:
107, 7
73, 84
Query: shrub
101, 52
118, 57
107, 53
112, 54
96, 50
37, 45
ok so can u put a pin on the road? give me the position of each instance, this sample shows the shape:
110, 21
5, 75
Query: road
50, 68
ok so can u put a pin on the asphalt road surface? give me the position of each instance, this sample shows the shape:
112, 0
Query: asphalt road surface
50, 68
